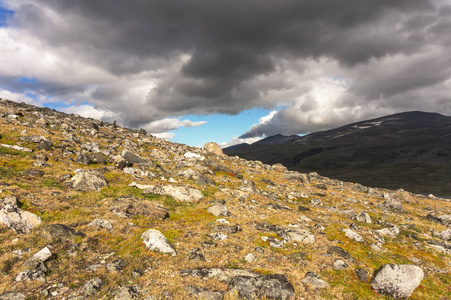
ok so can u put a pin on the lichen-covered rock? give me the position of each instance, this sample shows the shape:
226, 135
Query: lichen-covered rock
12, 296
136, 159
90, 180
101, 223
274, 286
397, 281
156, 241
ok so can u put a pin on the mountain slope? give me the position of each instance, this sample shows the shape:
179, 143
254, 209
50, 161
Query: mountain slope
410, 150
91, 210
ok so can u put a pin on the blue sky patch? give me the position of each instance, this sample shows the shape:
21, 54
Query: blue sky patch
5, 14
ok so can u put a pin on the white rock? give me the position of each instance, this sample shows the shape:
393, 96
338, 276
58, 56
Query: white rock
156, 241
445, 234
353, 235
219, 210
339, 265
43, 254
19, 220
218, 236
193, 156
182, 193
398, 281
301, 235
213, 148
250, 257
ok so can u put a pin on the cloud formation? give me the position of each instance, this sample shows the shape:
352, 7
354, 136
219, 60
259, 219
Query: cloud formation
147, 62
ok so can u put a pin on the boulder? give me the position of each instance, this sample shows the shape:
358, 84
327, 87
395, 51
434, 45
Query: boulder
156, 241
130, 206
182, 193
13, 217
274, 286
213, 148
397, 281
90, 180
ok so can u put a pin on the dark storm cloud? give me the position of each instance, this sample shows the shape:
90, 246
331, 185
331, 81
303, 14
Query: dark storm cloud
221, 56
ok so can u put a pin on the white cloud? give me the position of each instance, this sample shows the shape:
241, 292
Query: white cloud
164, 135
18, 97
170, 124
89, 111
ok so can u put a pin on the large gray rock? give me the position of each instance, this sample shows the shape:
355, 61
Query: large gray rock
182, 193
13, 217
267, 286
213, 148
397, 281
130, 206
156, 241
90, 180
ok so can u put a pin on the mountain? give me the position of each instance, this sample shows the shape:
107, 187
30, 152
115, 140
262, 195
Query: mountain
410, 150
91, 210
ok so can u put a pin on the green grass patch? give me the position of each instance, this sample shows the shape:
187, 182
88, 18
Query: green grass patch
51, 183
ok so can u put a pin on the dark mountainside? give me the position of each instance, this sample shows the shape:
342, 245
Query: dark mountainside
410, 150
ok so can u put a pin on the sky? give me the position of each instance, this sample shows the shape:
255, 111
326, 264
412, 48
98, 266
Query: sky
198, 71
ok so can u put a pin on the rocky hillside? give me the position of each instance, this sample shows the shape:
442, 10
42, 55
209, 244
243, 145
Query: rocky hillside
90, 210
409, 150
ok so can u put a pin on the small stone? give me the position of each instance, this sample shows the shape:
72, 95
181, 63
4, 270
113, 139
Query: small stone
156, 241
218, 236
314, 281
339, 265
101, 223
92, 286
353, 235
361, 274
250, 257
196, 255
219, 210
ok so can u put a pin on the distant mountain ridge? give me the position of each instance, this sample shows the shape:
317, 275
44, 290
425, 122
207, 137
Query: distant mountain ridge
410, 150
